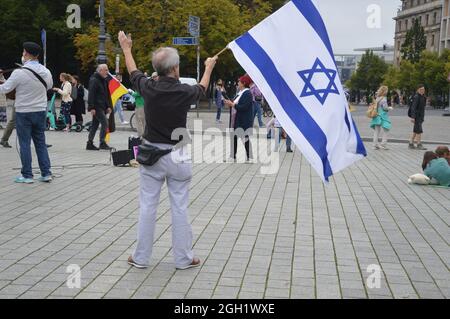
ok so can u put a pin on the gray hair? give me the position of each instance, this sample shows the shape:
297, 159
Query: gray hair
102, 67
165, 59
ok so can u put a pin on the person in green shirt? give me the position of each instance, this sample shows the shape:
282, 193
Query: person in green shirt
436, 168
140, 113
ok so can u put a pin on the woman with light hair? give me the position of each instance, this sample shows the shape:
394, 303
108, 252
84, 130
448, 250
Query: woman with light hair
66, 98
381, 123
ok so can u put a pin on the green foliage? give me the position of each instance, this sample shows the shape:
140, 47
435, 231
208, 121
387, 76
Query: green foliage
369, 74
154, 24
415, 43
431, 70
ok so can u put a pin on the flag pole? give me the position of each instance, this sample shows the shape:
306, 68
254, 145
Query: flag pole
222, 51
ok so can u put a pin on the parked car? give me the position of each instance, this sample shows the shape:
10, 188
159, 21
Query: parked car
190, 81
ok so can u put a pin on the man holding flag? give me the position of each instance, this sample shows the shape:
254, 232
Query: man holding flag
100, 104
289, 57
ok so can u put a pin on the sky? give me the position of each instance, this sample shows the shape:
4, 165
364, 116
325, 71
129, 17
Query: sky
346, 21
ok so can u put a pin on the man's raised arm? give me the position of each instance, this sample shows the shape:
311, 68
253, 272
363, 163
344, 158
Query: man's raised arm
126, 44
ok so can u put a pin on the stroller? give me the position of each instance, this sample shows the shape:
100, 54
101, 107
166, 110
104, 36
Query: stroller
59, 123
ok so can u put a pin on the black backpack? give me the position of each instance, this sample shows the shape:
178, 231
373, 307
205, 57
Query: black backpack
410, 104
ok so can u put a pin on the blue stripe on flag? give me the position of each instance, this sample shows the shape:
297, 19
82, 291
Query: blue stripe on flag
309, 11
347, 122
292, 106
360, 149
312, 15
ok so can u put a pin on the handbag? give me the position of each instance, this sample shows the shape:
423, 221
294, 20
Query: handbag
148, 154
372, 111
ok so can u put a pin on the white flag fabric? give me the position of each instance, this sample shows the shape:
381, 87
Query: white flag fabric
289, 57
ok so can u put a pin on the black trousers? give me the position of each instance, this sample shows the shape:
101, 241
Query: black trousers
79, 118
246, 144
98, 119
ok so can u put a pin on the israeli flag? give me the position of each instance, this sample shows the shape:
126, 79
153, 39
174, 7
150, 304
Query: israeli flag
289, 57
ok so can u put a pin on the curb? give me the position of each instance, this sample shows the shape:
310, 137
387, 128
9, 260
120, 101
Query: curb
365, 139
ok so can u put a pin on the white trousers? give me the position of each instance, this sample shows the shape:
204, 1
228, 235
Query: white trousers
376, 135
178, 177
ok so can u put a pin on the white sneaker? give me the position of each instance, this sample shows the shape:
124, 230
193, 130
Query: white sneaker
125, 122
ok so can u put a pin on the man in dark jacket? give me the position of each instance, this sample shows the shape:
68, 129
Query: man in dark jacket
99, 104
417, 115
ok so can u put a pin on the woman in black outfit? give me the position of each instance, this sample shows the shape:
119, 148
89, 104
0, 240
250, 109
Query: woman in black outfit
78, 105
243, 119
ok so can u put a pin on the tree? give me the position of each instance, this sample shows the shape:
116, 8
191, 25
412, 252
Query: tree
369, 74
415, 43
155, 23
431, 70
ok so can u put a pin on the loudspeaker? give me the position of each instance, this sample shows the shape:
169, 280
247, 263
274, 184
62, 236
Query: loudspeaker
122, 158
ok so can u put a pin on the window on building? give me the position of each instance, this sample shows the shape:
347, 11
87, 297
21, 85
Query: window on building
435, 18
427, 20
432, 40
406, 24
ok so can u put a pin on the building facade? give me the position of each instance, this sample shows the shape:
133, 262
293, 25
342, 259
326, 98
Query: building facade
445, 27
429, 14
386, 52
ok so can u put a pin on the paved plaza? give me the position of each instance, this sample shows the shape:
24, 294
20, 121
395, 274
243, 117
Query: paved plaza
286, 235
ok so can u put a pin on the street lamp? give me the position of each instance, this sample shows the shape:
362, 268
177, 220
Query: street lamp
101, 57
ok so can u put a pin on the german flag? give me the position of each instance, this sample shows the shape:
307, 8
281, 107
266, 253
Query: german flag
116, 89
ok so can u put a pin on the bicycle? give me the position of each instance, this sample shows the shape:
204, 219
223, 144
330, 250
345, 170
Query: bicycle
132, 122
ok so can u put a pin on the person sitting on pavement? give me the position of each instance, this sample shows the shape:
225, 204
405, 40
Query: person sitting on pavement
443, 152
436, 168
99, 104
31, 83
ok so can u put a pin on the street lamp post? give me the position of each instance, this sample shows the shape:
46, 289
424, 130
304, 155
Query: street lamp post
101, 57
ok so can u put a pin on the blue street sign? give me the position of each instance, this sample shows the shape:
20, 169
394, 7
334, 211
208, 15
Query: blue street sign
194, 26
43, 37
185, 41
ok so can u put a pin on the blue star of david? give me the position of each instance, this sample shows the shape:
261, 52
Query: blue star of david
309, 89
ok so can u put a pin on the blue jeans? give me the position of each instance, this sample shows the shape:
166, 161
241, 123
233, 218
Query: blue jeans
288, 141
219, 113
280, 136
257, 110
118, 109
32, 126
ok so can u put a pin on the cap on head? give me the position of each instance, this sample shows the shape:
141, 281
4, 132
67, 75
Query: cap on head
32, 48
